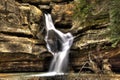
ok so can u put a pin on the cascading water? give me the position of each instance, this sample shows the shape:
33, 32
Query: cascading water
58, 44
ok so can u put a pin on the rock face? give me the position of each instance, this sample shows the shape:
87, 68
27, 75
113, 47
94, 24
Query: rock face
62, 14
18, 24
22, 46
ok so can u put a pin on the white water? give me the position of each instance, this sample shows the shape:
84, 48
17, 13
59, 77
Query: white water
58, 44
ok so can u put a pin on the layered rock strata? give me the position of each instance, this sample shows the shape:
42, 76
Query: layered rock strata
22, 45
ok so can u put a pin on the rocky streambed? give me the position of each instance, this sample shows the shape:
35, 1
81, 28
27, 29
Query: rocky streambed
72, 76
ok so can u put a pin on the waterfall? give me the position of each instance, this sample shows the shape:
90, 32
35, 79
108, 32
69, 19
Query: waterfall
58, 44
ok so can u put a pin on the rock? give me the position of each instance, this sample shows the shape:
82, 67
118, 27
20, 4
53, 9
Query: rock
33, 12
44, 1
20, 62
31, 76
21, 66
36, 14
22, 45
114, 61
91, 35
37, 1
62, 15
60, 1
44, 7
13, 44
106, 66
15, 47
18, 26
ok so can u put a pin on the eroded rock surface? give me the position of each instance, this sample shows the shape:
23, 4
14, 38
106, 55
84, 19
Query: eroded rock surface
22, 45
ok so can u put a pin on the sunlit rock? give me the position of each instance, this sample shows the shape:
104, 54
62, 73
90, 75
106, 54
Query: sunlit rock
62, 15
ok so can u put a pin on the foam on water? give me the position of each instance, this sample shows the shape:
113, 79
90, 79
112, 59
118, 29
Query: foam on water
47, 74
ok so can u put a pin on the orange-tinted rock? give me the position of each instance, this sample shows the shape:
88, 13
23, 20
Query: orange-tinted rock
62, 15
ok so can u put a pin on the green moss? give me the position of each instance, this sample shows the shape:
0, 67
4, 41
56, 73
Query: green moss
81, 10
115, 21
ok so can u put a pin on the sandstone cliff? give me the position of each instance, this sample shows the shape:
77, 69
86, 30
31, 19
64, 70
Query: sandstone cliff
22, 46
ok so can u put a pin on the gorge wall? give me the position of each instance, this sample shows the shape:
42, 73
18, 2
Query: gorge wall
22, 45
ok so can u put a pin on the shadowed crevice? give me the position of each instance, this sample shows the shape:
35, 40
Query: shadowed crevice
17, 34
